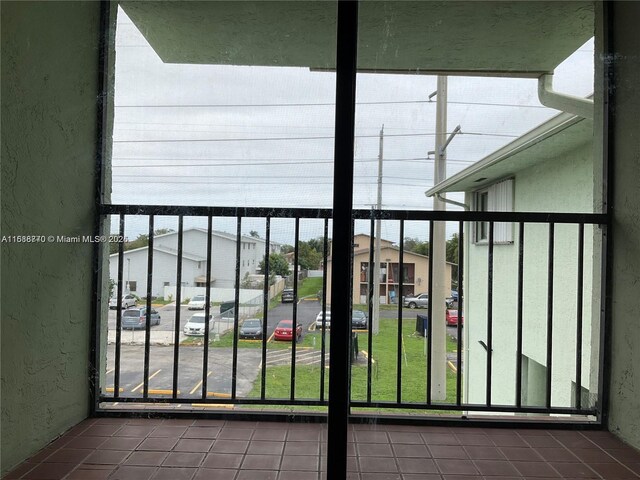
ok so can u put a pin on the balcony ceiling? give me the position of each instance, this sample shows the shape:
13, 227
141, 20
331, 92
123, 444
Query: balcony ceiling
504, 37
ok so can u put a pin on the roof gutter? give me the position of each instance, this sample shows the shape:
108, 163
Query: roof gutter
452, 202
582, 107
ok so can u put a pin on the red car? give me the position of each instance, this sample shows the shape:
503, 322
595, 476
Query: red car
452, 317
284, 330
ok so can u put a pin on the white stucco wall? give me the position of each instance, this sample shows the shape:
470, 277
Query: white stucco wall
555, 185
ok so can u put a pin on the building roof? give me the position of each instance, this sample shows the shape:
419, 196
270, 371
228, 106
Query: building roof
560, 134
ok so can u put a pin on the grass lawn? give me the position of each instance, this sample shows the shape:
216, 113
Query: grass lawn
383, 372
309, 286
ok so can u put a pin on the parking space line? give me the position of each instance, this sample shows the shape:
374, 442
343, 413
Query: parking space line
109, 371
452, 366
198, 385
150, 377
271, 337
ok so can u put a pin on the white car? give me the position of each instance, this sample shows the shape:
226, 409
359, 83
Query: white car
196, 325
327, 322
197, 302
128, 301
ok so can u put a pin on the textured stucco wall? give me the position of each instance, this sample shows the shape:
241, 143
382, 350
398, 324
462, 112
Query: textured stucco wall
625, 352
49, 98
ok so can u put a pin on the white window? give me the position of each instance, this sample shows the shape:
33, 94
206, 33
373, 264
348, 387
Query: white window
496, 198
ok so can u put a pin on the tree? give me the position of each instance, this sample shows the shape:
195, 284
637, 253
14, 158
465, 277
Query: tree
141, 241
308, 257
278, 265
416, 246
452, 256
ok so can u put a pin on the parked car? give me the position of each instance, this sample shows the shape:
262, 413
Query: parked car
358, 319
128, 300
451, 316
251, 328
288, 295
133, 318
197, 325
327, 321
198, 302
416, 301
284, 330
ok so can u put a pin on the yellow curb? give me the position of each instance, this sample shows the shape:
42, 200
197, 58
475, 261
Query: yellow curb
162, 392
219, 395
112, 389
212, 405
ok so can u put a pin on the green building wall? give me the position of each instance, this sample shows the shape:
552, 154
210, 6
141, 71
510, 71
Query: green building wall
50, 59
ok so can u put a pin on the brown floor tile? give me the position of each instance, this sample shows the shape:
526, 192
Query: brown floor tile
535, 469
179, 422
100, 430
86, 442
265, 448
235, 433
574, 470
614, 471
374, 450
300, 462
380, 476
521, 454
448, 451
287, 475
508, 440
205, 422
477, 452
207, 433
107, 421
139, 431
193, 445
421, 476
90, 472
301, 448
126, 472
230, 446
120, 443
107, 457
303, 436
417, 465
145, 421
405, 437
625, 454
270, 434
571, 439
168, 431
20, 470
49, 471
68, 455
440, 439
158, 444
209, 474
177, 473
407, 451
473, 439
257, 475
146, 458
457, 467
495, 467
183, 459
224, 460
592, 455
383, 465
371, 437
541, 441
261, 462
556, 454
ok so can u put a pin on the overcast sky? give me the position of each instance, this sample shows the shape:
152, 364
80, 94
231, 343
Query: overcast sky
231, 136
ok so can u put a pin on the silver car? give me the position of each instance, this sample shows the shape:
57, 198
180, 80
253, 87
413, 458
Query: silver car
418, 301
133, 318
128, 300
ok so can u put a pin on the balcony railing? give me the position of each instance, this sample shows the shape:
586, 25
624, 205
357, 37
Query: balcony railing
512, 337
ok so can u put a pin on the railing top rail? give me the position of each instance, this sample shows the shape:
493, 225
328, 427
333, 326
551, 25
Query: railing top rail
321, 213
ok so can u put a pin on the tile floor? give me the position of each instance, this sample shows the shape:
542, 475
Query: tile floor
150, 449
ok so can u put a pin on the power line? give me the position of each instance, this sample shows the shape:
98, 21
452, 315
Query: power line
181, 140
267, 162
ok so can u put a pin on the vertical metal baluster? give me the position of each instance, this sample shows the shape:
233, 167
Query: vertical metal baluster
460, 313
325, 256
207, 308
371, 297
399, 335
550, 316
265, 309
489, 315
116, 374
519, 316
236, 316
176, 336
295, 310
147, 332
579, 319
429, 317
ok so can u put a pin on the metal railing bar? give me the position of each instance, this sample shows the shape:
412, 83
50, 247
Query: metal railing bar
429, 316
579, 317
325, 256
370, 287
176, 336
294, 331
489, 315
519, 317
265, 309
550, 315
399, 334
116, 375
207, 306
460, 313
437, 215
236, 313
147, 330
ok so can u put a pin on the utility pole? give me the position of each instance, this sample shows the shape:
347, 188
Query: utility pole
438, 262
376, 252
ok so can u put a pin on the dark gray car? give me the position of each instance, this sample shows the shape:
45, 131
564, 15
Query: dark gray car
251, 328
358, 319
137, 318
